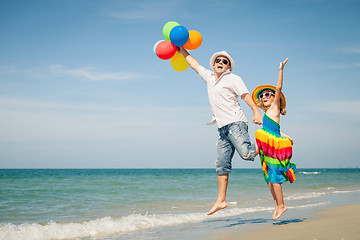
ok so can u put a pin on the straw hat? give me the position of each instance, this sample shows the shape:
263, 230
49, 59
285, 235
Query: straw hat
218, 54
257, 91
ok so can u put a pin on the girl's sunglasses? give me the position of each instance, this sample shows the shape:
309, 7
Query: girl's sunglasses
223, 60
267, 95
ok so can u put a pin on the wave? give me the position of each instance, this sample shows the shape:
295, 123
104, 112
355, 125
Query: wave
310, 173
300, 196
346, 191
312, 205
109, 226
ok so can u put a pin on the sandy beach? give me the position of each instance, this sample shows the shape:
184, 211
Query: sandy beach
340, 223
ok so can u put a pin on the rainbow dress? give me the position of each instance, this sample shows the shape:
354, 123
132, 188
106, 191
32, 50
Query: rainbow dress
275, 153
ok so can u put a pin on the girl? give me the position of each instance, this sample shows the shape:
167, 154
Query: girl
274, 147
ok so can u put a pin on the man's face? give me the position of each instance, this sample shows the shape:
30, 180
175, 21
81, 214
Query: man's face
221, 64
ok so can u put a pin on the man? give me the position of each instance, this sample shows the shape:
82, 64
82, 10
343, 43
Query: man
224, 89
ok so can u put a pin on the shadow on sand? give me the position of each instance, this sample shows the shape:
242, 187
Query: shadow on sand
240, 221
284, 222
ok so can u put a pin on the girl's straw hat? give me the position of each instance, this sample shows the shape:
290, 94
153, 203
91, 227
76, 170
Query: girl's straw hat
257, 91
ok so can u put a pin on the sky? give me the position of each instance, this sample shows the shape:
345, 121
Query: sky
80, 85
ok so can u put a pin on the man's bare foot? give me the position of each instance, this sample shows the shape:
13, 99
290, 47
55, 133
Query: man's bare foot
279, 211
217, 207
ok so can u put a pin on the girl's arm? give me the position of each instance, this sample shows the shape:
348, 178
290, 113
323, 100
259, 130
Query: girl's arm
194, 64
279, 85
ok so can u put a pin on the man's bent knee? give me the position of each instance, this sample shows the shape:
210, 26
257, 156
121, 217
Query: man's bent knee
248, 155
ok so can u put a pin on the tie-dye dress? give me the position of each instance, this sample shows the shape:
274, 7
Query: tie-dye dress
275, 153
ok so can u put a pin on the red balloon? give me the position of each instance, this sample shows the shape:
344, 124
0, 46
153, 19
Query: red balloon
165, 50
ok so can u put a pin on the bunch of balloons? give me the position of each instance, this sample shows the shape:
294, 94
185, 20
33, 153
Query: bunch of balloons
176, 36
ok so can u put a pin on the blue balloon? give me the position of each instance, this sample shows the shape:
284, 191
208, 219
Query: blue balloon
179, 36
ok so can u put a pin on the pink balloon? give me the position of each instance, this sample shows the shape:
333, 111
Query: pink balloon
165, 50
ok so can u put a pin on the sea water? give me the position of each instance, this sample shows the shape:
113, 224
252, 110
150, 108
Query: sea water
154, 203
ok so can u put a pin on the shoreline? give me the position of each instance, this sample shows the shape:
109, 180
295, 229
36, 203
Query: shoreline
339, 222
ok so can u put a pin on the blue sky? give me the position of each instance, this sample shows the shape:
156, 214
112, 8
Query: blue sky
80, 86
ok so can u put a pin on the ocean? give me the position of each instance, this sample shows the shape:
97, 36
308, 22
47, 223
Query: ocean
117, 204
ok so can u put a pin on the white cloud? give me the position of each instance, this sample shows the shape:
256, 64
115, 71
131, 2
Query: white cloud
86, 73
37, 120
38, 133
340, 65
89, 74
8, 69
351, 50
348, 109
53, 131
146, 10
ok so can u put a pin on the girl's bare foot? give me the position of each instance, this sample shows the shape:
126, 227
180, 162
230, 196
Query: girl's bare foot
274, 214
279, 211
217, 207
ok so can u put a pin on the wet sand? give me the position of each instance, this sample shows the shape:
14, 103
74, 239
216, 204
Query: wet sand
341, 223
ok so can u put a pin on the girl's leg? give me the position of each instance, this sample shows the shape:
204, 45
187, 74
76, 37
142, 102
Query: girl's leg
274, 197
280, 207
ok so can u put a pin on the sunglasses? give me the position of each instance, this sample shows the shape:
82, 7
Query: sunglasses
223, 60
267, 95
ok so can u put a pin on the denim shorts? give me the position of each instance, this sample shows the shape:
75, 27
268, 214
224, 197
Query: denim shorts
233, 136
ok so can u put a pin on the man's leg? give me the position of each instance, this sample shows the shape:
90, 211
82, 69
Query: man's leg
225, 152
221, 200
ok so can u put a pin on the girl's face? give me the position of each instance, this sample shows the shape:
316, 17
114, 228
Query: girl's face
267, 97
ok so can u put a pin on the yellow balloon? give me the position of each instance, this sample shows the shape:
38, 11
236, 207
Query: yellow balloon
178, 62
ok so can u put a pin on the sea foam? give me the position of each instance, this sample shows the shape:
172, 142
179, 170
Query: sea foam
310, 173
300, 196
109, 226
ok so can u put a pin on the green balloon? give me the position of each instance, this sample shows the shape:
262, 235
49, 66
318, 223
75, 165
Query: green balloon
167, 29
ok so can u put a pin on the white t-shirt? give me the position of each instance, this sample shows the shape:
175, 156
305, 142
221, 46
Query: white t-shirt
223, 96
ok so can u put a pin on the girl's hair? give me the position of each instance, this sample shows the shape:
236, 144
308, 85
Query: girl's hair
261, 104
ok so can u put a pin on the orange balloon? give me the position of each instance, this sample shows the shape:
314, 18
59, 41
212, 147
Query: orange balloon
195, 40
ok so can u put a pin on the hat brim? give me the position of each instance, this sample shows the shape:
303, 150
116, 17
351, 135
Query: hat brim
257, 91
218, 54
